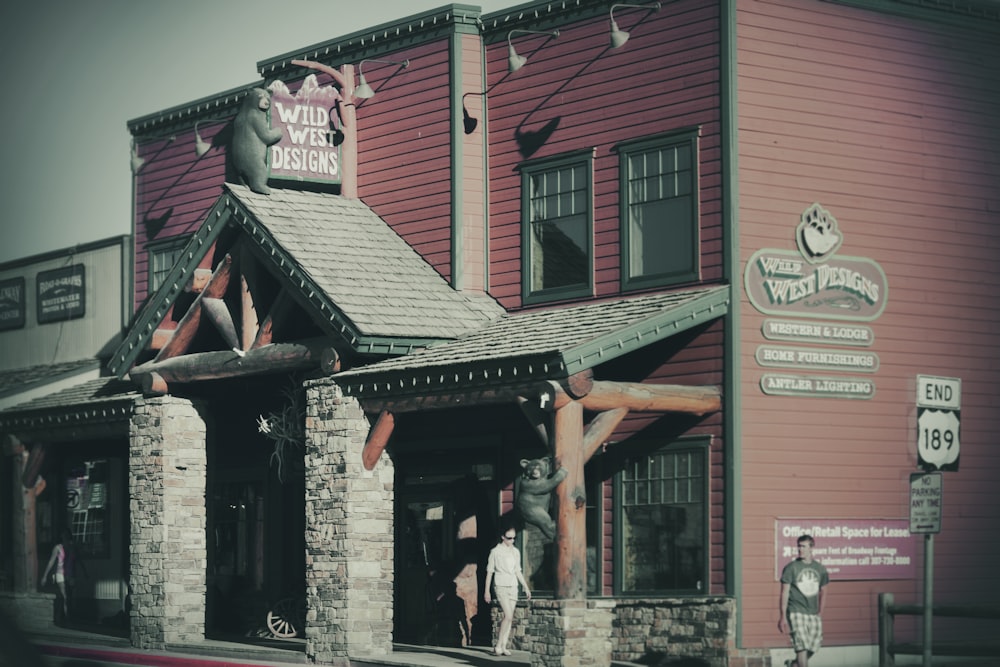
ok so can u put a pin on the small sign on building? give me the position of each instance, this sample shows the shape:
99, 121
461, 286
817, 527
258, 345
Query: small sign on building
11, 304
61, 294
926, 494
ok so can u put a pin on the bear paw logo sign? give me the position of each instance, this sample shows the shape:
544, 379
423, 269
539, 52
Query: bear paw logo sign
817, 233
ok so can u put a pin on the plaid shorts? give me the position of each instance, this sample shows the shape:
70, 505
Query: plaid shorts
807, 632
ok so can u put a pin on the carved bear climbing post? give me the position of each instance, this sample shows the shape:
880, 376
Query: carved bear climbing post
571, 505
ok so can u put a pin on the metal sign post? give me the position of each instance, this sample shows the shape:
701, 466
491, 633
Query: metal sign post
926, 492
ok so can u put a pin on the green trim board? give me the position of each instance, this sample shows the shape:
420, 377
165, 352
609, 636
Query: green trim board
732, 374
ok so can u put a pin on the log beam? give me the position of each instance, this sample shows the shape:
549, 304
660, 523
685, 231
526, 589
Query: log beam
571, 505
537, 417
277, 357
219, 315
378, 438
188, 326
600, 429
248, 307
279, 308
641, 397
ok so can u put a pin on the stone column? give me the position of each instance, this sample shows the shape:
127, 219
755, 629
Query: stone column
168, 559
570, 633
349, 533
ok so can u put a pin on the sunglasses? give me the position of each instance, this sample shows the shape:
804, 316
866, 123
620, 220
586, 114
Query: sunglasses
508, 537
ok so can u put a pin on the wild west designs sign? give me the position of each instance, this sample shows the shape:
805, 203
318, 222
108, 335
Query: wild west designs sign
816, 283
61, 294
309, 148
11, 304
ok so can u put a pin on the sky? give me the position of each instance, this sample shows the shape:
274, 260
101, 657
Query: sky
78, 70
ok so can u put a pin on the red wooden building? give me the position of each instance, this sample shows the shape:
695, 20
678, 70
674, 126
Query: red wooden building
730, 271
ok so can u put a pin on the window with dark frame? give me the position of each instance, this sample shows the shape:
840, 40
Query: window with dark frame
87, 481
162, 258
557, 211
659, 210
661, 532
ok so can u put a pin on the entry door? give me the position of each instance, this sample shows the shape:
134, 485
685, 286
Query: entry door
440, 556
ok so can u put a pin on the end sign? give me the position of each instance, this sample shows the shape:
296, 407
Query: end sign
939, 409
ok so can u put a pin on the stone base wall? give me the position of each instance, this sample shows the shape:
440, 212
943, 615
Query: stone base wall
675, 628
32, 612
349, 533
561, 633
168, 550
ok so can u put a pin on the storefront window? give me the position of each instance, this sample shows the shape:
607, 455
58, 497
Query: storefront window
661, 500
87, 504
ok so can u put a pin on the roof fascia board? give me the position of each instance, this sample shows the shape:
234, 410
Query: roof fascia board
156, 308
222, 105
71, 251
981, 16
106, 412
651, 330
430, 380
370, 42
539, 16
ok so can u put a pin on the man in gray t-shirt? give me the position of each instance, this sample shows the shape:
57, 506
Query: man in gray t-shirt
803, 591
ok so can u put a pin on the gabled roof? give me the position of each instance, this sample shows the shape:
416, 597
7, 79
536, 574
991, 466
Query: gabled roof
359, 280
541, 344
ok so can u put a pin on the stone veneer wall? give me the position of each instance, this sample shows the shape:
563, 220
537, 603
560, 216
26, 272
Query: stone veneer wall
563, 633
168, 561
349, 533
702, 628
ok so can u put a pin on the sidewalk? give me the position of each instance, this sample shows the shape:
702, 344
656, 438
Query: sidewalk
70, 646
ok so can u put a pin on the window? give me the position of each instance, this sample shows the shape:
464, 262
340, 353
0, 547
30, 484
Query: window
659, 211
557, 220
661, 502
87, 482
162, 257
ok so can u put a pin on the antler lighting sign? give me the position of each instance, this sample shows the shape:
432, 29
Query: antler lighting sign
817, 283
309, 149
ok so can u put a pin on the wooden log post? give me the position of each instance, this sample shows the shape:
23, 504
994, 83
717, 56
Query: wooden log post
571, 505
378, 438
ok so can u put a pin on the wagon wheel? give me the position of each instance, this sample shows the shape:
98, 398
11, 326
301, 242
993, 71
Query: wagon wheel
287, 618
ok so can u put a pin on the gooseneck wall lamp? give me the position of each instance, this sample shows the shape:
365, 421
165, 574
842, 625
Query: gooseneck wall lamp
618, 36
514, 61
364, 91
200, 145
135, 162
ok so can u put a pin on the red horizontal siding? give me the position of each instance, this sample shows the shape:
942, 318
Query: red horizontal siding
404, 150
665, 79
887, 121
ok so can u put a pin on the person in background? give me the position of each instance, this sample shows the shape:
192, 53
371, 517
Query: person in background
503, 571
803, 592
62, 564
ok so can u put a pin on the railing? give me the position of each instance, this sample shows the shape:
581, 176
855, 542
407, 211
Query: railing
889, 648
